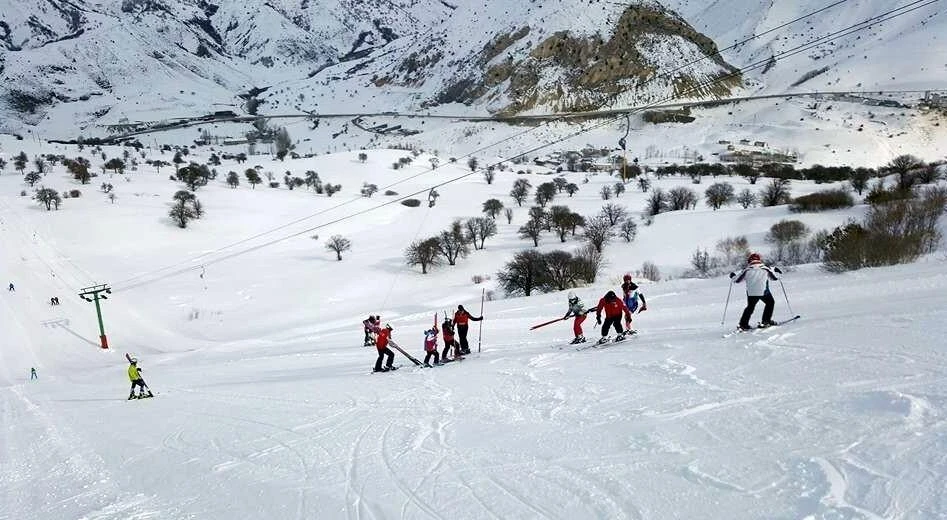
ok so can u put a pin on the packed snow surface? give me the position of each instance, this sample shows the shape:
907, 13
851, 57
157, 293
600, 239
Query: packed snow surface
266, 407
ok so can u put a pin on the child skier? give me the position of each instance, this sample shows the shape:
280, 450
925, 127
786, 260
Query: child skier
447, 331
757, 277
134, 374
430, 347
381, 343
614, 309
577, 309
372, 326
631, 295
462, 319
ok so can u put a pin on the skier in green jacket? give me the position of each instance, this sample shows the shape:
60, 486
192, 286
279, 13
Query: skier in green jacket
134, 375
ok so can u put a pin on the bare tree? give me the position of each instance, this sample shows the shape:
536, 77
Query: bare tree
338, 244
588, 261
859, 179
733, 249
628, 230
233, 179
747, 198
480, 229
489, 175
644, 184
904, 167
453, 244
572, 188
182, 210
680, 198
369, 189
775, 193
508, 213
614, 213
619, 189
561, 219
425, 253
533, 229
520, 191
525, 273
48, 197
605, 192
719, 194
560, 270
598, 232
32, 178
545, 192
656, 203
492, 208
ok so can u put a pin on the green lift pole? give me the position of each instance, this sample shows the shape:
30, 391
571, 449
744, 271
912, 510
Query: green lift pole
94, 294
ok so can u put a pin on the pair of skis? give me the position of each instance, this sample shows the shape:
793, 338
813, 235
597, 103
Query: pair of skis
758, 329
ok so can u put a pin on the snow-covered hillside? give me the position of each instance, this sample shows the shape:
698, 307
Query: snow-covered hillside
266, 406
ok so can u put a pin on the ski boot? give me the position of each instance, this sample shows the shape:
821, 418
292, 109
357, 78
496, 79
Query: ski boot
379, 370
605, 339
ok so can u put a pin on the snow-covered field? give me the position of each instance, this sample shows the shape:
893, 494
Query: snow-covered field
266, 406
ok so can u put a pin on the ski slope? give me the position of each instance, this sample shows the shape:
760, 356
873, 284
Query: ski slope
266, 406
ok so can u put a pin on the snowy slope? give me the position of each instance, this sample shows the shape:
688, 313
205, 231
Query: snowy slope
266, 406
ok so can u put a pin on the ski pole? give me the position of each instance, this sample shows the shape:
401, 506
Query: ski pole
483, 293
787, 297
729, 291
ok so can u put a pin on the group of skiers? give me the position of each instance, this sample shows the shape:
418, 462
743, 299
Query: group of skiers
617, 313
460, 323
613, 307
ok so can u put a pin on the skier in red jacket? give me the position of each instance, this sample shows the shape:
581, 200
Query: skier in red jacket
462, 319
381, 343
614, 310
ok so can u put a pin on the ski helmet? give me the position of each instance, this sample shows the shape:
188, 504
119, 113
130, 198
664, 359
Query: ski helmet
627, 277
572, 297
134, 360
610, 295
754, 257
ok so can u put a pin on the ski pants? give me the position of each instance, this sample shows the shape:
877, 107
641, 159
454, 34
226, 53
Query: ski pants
612, 321
768, 304
381, 356
462, 332
140, 383
577, 324
447, 345
33, 375
432, 354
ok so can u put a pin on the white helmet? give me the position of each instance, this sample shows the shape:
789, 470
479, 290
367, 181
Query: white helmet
572, 297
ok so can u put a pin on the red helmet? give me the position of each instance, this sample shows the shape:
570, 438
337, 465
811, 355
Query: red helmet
754, 257
627, 277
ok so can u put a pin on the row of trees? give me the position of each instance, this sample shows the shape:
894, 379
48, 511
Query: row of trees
451, 244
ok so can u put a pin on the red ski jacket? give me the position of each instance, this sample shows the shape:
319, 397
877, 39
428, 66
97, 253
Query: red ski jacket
382, 341
612, 308
461, 317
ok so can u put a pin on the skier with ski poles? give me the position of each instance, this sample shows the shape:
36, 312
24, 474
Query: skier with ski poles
462, 319
631, 296
381, 343
134, 375
430, 347
577, 309
614, 308
757, 276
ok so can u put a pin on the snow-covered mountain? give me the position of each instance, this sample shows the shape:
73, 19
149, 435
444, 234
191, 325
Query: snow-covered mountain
70, 68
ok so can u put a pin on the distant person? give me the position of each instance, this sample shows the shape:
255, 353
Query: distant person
54, 300
134, 374
11, 288
614, 308
631, 296
462, 320
757, 277
33, 373
381, 343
